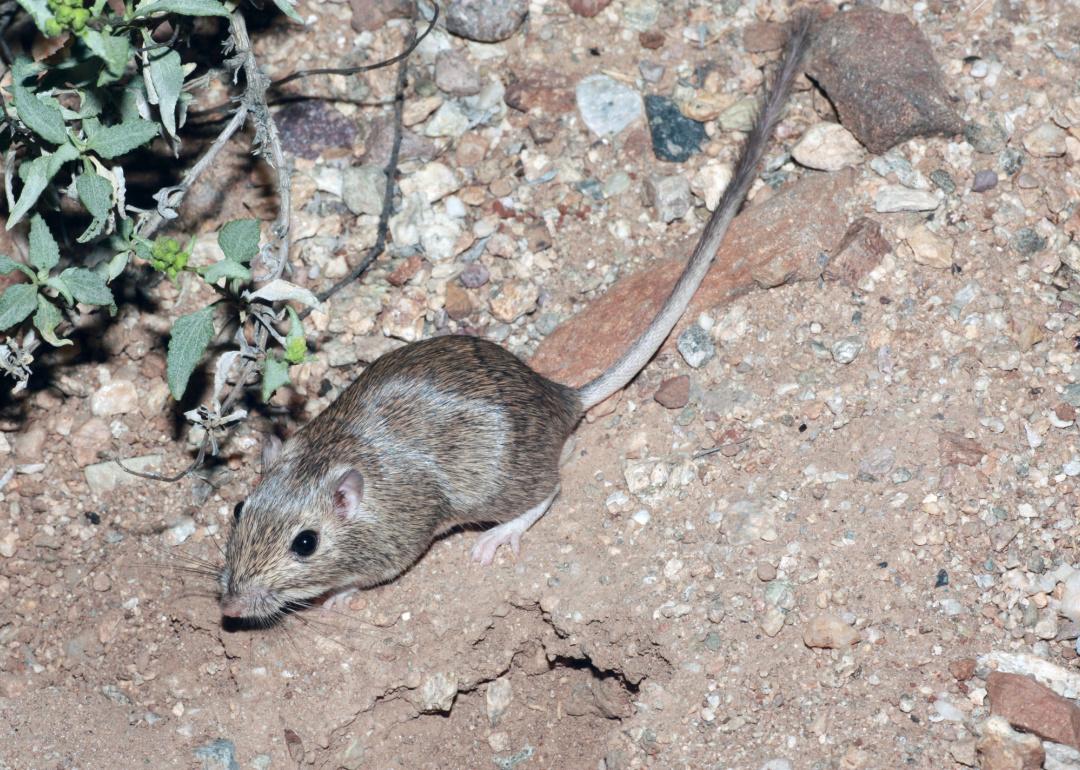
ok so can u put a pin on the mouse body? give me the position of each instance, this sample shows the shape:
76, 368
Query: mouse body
444, 431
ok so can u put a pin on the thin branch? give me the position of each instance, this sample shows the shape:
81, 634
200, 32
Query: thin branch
401, 57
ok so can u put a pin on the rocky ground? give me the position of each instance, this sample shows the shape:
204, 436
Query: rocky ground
832, 525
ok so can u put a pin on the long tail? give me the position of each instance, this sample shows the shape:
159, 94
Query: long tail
645, 346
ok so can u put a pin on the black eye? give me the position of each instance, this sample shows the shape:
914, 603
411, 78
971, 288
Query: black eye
305, 543
236, 510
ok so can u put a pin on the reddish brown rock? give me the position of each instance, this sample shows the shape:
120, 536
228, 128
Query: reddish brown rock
860, 251
651, 39
878, 69
544, 92
761, 36
957, 449
797, 224
405, 270
588, 8
1030, 706
962, 669
674, 393
458, 304
372, 14
1002, 748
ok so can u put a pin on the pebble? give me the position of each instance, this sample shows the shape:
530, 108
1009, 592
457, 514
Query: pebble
30, 443
675, 137
363, 189
777, 764
669, 195
893, 198
927, 247
710, 181
116, 397
107, 476
765, 571
218, 755
985, 139
830, 632
1031, 706
434, 181
310, 126
1070, 598
180, 530
772, 621
750, 523
454, 74
1045, 141
984, 180
696, 346
1002, 748
7, 544
674, 392
436, 693
514, 299
588, 8
1010, 160
606, 105
943, 180
846, 349
449, 120
1027, 242
474, 275
828, 147
739, 116
485, 21
497, 699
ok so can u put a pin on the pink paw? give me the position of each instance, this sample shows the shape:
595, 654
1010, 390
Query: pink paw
483, 550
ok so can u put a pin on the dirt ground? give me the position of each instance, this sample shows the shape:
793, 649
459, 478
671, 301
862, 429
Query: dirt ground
895, 462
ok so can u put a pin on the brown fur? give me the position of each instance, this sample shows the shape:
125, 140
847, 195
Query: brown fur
445, 431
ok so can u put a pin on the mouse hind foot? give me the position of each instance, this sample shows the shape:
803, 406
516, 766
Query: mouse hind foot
483, 551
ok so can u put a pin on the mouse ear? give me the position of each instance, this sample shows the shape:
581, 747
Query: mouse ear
348, 494
270, 451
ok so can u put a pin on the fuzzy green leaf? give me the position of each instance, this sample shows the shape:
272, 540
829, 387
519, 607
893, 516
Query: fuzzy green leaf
287, 8
46, 319
36, 175
16, 303
116, 265
87, 286
191, 335
183, 7
115, 51
275, 374
8, 265
114, 141
167, 76
96, 193
44, 253
226, 268
55, 282
42, 118
239, 239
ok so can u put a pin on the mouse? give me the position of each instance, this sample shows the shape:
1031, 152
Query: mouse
442, 432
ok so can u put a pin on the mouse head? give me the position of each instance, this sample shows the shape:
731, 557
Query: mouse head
300, 534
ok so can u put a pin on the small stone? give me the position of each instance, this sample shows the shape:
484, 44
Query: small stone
588, 8
1030, 706
651, 39
474, 275
696, 346
877, 462
883, 100
762, 36
1001, 353
984, 180
846, 349
8, 543
927, 247
30, 444
294, 744
218, 755
363, 189
1010, 160
458, 304
310, 126
1027, 242
830, 632
739, 116
1002, 748
1045, 141
985, 139
180, 530
750, 523
962, 669
405, 270
675, 137
499, 741
436, 693
772, 621
893, 198
710, 181
674, 392
607, 106
828, 147
858, 253
434, 181
404, 318
485, 21
107, 476
454, 74
449, 121
498, 698
669, 195
514, 299
956, 449
116, 397
943, 180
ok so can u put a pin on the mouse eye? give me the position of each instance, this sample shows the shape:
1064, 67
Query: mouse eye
236, 510
305, 543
